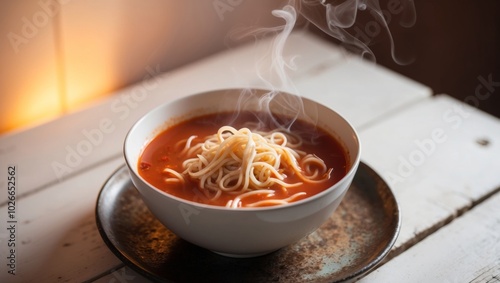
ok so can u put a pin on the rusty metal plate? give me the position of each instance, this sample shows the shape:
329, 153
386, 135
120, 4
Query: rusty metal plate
353, 241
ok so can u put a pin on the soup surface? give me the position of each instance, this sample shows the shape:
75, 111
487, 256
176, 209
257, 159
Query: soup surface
164, 152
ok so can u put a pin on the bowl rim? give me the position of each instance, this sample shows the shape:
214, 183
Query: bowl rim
350, 173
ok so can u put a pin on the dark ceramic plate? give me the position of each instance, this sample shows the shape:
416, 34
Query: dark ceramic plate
354, 240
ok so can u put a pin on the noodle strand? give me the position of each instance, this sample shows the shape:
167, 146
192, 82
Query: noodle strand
248, 163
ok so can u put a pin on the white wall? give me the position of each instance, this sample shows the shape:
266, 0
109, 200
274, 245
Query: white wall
58, 55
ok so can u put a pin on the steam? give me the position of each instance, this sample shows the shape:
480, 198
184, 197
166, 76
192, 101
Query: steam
273, 71
340, 19
280, 80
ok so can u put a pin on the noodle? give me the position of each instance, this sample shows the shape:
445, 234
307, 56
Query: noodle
246, 163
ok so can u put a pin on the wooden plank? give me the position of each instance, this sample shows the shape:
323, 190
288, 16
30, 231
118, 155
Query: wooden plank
60, 149
440, 157
56, 235
362, 91
466, 250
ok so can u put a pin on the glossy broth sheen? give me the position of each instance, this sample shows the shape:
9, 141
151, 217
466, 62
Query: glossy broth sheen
162, 152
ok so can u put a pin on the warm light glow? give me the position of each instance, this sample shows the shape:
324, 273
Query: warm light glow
34, 107
89, 33
72, 52
28, 79
39, 104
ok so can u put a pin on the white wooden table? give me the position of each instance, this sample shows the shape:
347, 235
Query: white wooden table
440, 156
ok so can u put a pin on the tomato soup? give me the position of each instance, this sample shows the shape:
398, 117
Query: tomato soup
164, 152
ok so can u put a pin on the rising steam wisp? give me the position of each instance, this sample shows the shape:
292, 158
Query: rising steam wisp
340, 20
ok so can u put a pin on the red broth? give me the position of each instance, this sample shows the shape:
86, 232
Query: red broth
162, 152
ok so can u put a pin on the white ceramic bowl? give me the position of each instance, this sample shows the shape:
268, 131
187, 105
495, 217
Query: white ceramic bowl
243, 232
